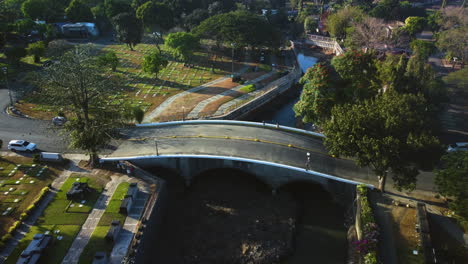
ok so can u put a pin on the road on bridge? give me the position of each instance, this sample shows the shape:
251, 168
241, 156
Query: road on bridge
257, 143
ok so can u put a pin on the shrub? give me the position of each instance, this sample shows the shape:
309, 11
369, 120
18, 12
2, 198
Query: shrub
15, 53
236, 78
6, 237
37, 50
36, 157
248, 88
370, 258
13, 227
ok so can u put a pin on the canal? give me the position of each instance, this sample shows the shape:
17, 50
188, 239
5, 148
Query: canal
280, 110
228, 216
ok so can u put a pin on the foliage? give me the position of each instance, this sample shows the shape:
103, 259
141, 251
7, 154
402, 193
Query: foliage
452, 181
339, 22
370, 258
155, 14
422, 48
310, 25
116, 7
78, 11
109, 59
128, 28
359, 71
57, 48
367, 246
195, 18
396, 10
182, 44
139, 114
458, 79
240, 27
390, 132
248, 88
37, 50
414, 25
35, 9
318, 95
154, 63
454, 41
79, 86
24, 26
15, 53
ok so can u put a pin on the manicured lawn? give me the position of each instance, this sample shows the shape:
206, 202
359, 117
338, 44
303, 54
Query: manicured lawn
20, 186
57, 250
57, 217
98, 242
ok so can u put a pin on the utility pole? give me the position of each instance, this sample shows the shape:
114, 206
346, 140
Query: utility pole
5, 71
156, 146
232, 60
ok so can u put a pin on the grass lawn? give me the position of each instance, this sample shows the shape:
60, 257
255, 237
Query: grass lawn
98, 241
20, 186
57, 217
143, 89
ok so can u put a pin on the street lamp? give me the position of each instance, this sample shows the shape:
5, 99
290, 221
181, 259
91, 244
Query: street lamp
232, 60
5, 72
183, 113
156, 146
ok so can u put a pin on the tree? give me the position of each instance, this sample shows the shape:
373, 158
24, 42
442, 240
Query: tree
129, 29
15, 53
240, 27
155, 15
388, 133
358, 70
339, 22
115, 7
458, 79
139, 114
109, 59
454, 42
78, 86
414, 25
422, 48
58, 48
182, 44
24, 26
310, 24
37, 9
452, 181
154, 63
195, 18
318, 95
79, 11
37, 50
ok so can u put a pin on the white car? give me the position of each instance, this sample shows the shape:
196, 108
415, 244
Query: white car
21, 145
457, 146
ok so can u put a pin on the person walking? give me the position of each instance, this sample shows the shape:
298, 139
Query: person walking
308, 161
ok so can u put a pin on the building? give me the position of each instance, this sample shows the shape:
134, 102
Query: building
34, 250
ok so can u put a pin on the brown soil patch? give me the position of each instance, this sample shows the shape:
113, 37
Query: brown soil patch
212, 107
252, 75
29, 109
183, 106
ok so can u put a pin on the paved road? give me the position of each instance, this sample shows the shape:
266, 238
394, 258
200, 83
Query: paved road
37, 131
273, 146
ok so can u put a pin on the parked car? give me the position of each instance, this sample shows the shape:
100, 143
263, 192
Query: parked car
59, 120
457, 146
21, 145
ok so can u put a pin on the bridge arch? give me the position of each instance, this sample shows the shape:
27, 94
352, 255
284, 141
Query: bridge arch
241, 175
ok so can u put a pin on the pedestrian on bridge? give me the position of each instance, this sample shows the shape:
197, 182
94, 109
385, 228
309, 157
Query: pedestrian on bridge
308, 161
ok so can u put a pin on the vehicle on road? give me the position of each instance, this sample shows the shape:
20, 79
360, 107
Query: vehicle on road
59, 120
457, 146
21, 145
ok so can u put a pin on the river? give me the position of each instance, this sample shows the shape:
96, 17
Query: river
280, 110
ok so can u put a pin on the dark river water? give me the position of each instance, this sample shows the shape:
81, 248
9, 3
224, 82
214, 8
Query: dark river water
280, 110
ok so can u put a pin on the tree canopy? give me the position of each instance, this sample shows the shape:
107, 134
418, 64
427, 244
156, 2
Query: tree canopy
156, 15
388, 133
78, 11
452, 181
154, 63
240, 27
37, 50
129, 29
182, 44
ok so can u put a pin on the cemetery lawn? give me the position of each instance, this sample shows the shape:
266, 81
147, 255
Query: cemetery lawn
97, 241
144, 89
20, 186
59, 216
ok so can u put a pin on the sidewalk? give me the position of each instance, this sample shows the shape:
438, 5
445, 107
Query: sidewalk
31, 220
92, 221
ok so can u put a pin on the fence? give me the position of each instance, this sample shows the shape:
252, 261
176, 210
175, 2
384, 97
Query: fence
325, 42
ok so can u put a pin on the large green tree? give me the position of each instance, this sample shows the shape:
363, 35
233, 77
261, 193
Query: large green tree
390, 133
182, 44
37, 50
340, 22
156, 15
79, 11
78, 85
35, 9
129, 29
240, 27
115, 7
318, 95
452, 181
154, 63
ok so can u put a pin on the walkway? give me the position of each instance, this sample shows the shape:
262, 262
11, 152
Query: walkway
74, 252
200, 106
165, 105
31, 220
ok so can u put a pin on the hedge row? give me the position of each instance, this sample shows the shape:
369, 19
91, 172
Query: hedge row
367, 246
22, 217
